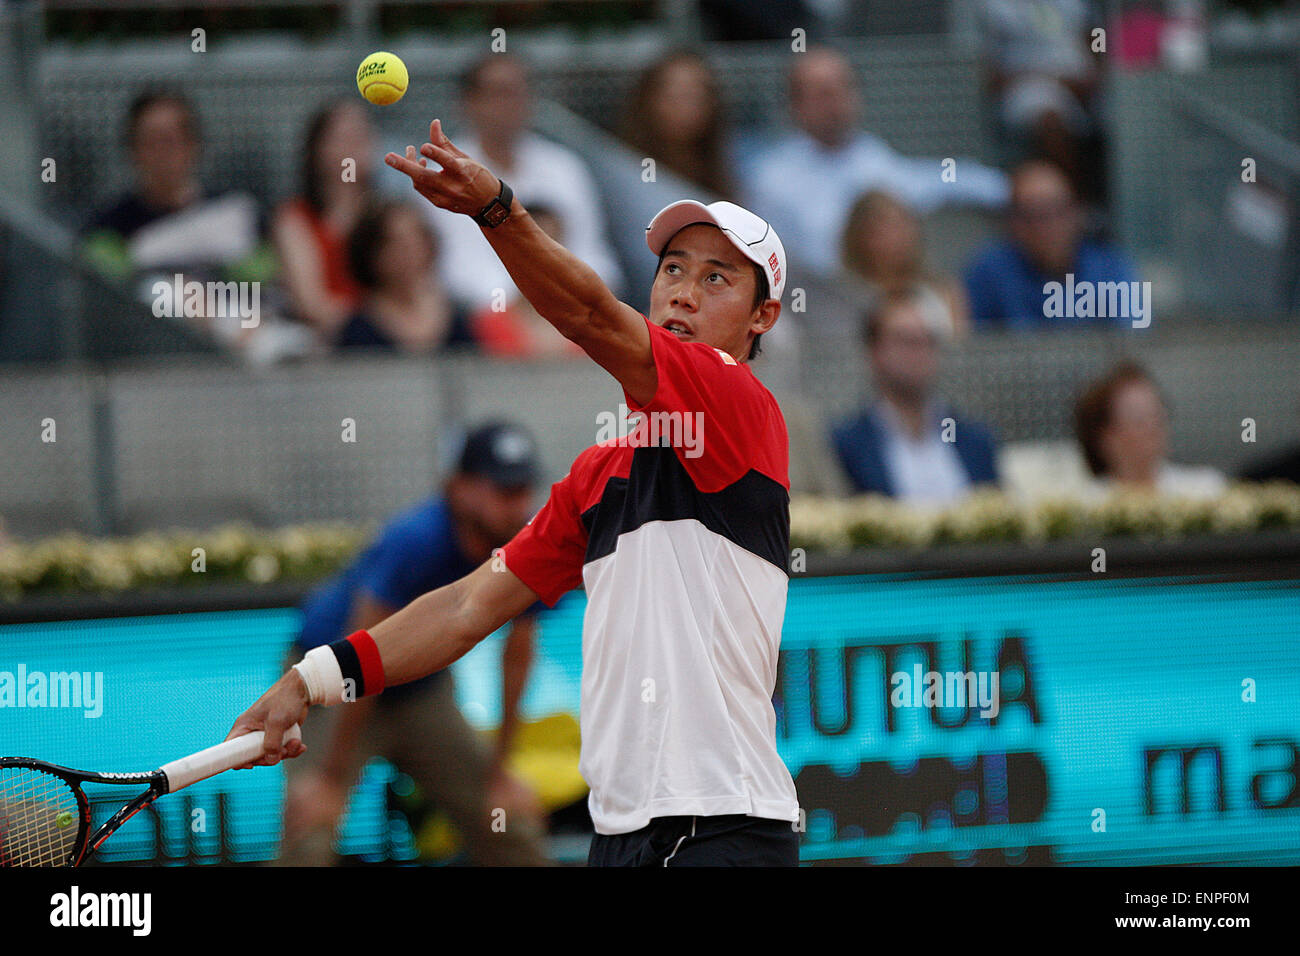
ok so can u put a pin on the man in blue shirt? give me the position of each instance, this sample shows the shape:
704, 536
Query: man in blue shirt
1009, 283
417, 726
806, 182
909, 444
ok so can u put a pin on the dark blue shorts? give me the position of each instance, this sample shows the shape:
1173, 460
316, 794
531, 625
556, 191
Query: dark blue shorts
730, 840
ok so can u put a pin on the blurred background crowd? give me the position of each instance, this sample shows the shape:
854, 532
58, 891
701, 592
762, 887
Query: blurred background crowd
932, 168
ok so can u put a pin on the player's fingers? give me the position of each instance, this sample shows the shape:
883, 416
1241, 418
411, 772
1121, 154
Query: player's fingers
447, 160
408, 166
426, 181
273, 744
414, 157
422, 177
247, 722
440, 138
402, 164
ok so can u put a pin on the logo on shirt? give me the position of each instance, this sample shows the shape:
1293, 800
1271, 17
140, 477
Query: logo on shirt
726, 357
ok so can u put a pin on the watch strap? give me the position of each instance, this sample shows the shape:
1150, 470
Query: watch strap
498, 210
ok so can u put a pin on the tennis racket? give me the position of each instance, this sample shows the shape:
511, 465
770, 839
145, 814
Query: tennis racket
45, 816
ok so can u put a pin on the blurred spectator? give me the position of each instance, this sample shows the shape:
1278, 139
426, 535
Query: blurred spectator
1042, 73
676, 119
498, 105
814, 467
805, 183
1045, 243
168, 223
418, 726
883, 254
517, 330
191, 255
1122, 424
910, 444
392, 252
311, 229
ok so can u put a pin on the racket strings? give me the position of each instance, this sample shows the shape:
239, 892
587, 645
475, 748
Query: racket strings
39, 818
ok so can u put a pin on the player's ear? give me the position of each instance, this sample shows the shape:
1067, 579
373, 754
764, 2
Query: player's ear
765, 316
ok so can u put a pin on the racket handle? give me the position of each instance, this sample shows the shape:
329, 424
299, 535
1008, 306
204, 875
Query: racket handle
214, 760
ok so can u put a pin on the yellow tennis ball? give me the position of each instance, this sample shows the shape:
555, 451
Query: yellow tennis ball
382, 78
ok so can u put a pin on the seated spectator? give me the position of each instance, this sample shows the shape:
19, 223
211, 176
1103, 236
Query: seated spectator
804, 183
1008, 282
1122, 424
168, 222
497, 102
910, 444
1043, 75
883, 255
814, 467
169, 232
311, 229
404, 307
517, 330
675, 118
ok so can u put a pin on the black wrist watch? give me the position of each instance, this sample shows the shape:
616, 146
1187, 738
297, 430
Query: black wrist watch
498, 210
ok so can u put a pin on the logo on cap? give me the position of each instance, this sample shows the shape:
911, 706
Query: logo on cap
511, 446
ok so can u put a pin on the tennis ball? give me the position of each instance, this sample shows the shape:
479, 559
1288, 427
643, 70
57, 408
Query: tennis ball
382, 78
64, 819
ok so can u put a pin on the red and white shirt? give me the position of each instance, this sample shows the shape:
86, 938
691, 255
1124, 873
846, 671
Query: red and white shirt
682, 546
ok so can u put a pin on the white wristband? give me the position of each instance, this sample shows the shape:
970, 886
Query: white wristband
320, 671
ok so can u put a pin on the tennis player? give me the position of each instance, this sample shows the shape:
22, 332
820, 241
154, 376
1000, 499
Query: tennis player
679, 531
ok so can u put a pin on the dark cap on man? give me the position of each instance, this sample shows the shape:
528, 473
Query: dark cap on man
503, 453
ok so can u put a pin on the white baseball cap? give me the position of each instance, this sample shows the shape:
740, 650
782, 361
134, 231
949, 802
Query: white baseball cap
751, 234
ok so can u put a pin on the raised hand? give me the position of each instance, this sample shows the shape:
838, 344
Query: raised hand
459, 185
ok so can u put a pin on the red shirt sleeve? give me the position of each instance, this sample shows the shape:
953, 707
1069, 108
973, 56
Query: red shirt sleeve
726, 422
548, 552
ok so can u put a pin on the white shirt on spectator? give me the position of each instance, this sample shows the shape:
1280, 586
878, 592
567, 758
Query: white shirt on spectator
924, 470
806, 190
1038, 36
544, 174
1199, 482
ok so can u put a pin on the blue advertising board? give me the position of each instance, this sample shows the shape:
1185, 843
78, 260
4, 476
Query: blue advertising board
956, 721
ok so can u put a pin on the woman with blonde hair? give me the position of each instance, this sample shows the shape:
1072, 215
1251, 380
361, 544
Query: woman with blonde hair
882, 252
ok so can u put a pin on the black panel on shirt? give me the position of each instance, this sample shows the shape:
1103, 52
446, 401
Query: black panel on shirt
752, 512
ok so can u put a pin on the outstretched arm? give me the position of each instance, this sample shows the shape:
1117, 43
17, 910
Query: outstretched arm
562, 288
425, 636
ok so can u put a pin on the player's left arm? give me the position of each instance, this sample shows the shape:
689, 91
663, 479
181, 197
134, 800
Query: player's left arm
561, 287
